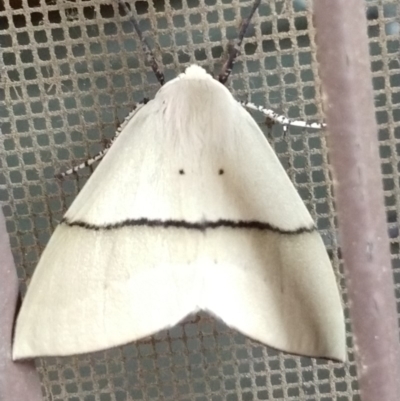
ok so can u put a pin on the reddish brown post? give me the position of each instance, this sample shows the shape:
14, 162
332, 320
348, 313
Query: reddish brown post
18, 380
353, 148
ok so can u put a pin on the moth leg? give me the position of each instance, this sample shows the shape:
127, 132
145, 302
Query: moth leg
86, 163
145, 46
235, 50
103, 152
273, 118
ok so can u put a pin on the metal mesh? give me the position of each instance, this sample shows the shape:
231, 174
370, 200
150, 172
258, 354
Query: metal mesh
72, 70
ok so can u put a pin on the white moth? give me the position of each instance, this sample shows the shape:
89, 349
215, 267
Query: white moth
189, 210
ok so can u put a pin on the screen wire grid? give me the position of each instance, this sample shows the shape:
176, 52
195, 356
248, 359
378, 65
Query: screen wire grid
70, 73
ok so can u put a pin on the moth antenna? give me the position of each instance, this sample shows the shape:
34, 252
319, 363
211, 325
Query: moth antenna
234, 52
145, 46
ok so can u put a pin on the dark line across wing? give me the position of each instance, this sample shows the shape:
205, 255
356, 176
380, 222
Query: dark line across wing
199, 226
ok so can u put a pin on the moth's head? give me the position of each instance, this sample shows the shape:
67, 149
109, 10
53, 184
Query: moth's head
197, 80
195, 72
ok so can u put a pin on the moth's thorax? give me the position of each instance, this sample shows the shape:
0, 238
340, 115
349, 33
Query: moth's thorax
196, 110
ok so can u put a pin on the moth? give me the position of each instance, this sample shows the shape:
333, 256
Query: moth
190, 209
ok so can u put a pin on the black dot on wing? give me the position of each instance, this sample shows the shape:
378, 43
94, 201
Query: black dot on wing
181, 171
220, 171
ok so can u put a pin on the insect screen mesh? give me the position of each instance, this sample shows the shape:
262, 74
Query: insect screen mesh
72, 70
